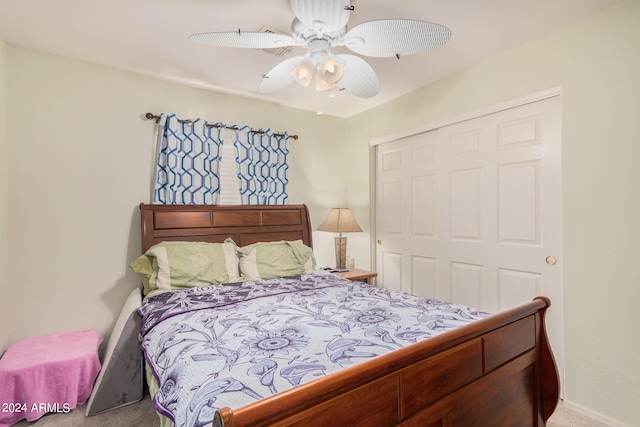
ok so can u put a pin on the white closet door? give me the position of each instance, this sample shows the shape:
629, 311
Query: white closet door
471, 212
407, 207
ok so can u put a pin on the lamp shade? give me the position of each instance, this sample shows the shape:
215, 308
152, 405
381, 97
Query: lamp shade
329, 73
303, 73
340, 220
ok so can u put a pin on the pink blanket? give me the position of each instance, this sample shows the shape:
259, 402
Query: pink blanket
50, 373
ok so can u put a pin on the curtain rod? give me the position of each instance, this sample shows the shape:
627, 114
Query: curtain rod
151, 116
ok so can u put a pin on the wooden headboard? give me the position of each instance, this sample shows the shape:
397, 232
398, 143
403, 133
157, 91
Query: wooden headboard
214, 223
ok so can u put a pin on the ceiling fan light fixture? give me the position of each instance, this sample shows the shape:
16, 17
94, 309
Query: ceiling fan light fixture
303, 72
322, 85
320, 26
329, 72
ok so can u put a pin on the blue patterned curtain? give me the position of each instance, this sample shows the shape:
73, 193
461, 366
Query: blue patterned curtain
262, 166
188, 160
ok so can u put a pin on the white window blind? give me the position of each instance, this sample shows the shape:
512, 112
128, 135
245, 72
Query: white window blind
229, 185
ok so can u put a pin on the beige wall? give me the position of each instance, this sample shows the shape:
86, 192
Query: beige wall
596, 61
4, 225
81, 155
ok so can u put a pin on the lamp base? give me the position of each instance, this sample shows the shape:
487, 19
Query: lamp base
341, 253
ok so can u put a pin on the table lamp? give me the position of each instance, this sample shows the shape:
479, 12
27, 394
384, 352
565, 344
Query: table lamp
340, 220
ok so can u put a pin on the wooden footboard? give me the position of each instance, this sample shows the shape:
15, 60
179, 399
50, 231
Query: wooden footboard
496, 371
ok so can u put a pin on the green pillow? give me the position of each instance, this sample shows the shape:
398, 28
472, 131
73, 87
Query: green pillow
175, 265
267, 260
142, 266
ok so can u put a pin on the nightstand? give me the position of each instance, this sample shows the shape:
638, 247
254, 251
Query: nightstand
356, 274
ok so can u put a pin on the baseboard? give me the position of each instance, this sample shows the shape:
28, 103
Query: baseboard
591, 414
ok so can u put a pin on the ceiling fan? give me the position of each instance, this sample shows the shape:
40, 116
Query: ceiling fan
320, 25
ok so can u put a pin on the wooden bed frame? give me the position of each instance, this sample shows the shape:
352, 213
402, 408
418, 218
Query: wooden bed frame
495, 371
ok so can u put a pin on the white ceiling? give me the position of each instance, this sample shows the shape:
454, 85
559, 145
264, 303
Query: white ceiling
150, 37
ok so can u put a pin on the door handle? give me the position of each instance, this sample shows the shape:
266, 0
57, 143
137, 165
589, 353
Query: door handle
551, 260
379, 242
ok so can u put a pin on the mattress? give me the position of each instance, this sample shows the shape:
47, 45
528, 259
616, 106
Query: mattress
229, 345
120, 382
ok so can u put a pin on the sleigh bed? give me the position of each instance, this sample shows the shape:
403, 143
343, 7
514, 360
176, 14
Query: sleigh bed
496, 370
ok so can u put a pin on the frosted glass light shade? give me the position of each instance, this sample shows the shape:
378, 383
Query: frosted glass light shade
329, 73
303, 73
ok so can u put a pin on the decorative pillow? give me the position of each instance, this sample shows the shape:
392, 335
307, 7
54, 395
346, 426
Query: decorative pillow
174, 265
267, 260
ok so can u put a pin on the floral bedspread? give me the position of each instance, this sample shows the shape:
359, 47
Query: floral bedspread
232, 344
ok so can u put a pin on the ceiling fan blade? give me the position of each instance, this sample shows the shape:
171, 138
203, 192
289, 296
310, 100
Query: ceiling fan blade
280, 75
395, 37
358, 77
325, 16
246, 39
